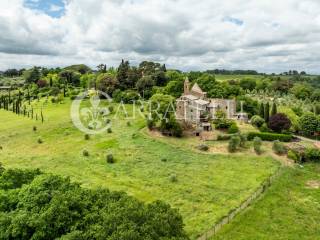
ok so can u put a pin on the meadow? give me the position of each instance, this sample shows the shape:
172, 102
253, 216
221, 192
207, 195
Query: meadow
288, 210
204, 187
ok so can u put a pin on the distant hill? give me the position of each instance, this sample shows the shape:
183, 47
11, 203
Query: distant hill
81, 68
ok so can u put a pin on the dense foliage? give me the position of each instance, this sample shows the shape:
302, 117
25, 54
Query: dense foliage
41, 206
279, 122
265, 136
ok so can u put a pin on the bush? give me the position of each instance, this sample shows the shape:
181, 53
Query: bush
108, 121
128, 124
86, 137
34, 128
150, 124
278, 147
257, 143
40, 140
224, 137
279, 122
309, 123
233, 128
257, 121
173, 178
85, 153
203, 147
270, 136
313, 155
234, 143
292, 155
110, 158
111, 109
264, 128
243, 140
109, 130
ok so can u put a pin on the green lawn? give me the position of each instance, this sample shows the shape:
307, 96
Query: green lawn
208, 185
290, 209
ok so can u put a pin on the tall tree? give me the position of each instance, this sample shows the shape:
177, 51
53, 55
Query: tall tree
261, 110
274, 109
122, 74
267, 112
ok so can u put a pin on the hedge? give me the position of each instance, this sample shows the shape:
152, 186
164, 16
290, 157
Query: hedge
265, 136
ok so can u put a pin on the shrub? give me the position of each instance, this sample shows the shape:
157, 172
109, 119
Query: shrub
279, 122
264, 128
173, 178
234, 143
203, 147
270, 136
109, 130
224, 137
150, 124
243, 140
257, 121
108, 121
163, 160
86, 136
111, 108
40, 140
309, 123
233, 128
257, 143
110, 158
292, 155
34, 128
278, 147
313, 154
85, 153
128, 124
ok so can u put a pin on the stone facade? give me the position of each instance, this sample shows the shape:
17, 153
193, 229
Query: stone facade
194, 106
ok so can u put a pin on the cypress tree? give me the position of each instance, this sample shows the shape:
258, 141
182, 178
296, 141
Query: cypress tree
274, 109
267, 112
261, 110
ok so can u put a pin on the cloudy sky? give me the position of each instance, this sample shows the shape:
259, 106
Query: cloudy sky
266, 35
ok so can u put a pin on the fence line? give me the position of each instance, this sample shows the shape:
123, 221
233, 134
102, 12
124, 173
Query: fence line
234, 212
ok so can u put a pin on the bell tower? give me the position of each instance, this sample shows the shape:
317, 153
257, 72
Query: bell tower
186, 86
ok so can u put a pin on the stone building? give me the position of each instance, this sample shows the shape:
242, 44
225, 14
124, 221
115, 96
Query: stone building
194, 107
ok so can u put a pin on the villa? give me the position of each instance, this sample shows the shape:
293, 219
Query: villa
194, 107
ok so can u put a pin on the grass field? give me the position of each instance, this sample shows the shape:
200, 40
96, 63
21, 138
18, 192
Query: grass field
207, 186
224, 77
289, 209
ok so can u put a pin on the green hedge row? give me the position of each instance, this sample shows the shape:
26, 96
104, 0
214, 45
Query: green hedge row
266, 136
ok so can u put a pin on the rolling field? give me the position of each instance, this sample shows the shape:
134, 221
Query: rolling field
289, 209
203, 186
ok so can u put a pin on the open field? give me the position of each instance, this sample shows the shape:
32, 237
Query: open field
207, 186
288, 210
224, 77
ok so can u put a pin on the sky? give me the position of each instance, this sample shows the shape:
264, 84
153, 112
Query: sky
265, 35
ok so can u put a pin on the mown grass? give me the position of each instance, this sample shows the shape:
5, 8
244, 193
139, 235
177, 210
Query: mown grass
290, 209
207, 186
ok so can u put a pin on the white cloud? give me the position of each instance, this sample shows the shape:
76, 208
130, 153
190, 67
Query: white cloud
266, 35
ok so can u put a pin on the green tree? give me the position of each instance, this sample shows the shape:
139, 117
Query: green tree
309, 124
248, 83
267, 112
274, 109
106, 83
261, 110
32, 75
122, 74
301, 91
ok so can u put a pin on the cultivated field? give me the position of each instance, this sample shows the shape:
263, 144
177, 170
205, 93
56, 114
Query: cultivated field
203, 186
